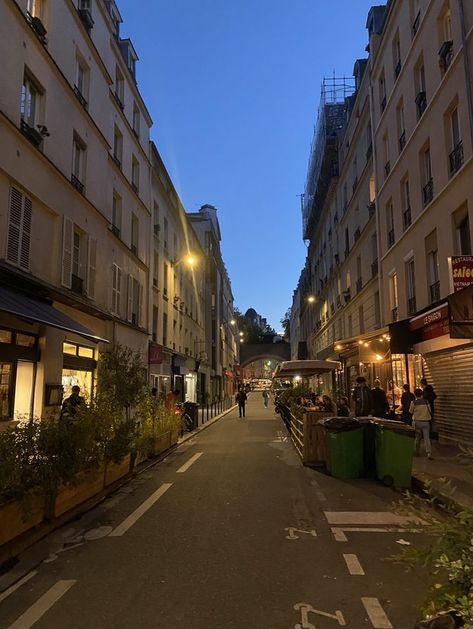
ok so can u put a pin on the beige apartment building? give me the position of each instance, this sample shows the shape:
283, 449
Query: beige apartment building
92, 232
421, 75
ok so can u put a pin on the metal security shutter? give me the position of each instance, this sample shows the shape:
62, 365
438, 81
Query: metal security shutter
451, 374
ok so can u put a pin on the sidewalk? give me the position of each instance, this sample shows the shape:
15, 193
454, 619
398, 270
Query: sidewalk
446, 464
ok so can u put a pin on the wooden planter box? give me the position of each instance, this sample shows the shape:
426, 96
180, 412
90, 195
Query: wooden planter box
88, 485
15, 520
114, 471
174, 437
314, 449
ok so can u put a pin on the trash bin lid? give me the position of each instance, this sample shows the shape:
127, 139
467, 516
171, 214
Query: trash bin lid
341, 424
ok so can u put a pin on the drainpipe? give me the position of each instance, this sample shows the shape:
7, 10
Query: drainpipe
466, 66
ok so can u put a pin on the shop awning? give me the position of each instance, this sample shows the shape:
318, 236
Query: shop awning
290, 368
39, 311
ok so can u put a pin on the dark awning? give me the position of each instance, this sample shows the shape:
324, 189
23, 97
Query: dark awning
39, 311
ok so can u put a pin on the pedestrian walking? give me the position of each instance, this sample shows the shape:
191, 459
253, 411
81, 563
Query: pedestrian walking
421, 416
406, 398
241, 398
171, 399
265, 398
429, 394
362, 397
379, 401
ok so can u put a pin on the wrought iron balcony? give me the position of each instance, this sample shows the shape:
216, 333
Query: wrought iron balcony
397, 69
355, 183
134, 186
371, 209
402, 141
80, 97
117, 160
411, 305
391, 237
77, 183
357, 234
77, 284
369, 151
31, 133
406, 218
421, 103
394, 314
383, 103
445, 55
428, 192
359, 284
456, 158
435, 292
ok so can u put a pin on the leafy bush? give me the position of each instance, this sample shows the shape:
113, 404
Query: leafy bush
448, 555
153, 421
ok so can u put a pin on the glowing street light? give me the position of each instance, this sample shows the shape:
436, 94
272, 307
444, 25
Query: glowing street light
311, 299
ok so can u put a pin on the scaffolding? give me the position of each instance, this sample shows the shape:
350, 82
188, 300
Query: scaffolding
335, 95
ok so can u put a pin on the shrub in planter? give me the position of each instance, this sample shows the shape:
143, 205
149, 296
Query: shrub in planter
155, 424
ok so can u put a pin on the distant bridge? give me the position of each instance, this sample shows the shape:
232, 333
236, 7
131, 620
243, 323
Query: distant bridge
260, 351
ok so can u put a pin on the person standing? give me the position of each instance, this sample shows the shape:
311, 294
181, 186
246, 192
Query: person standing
421, 416
265, 398
428, 394
171, 399
343, 408
241, 398
362, 397
406, 398
379, 401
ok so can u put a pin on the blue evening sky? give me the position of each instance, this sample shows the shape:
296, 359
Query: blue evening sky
233, 88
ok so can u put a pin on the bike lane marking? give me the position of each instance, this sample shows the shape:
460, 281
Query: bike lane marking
367, 517
187, 465
141, 510
17, 585
376, 613
353, 564
42, 605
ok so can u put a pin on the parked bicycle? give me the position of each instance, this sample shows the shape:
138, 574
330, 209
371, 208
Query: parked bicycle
187, 423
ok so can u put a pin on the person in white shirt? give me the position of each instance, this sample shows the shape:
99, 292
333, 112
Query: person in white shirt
421, 416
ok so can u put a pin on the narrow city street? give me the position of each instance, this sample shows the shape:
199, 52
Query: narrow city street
230, 531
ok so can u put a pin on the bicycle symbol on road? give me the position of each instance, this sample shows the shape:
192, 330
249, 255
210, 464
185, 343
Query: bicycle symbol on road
292, 530
306, 609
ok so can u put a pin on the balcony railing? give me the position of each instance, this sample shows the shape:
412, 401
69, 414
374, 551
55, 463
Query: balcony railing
355, 183
411, 305
119, 100
415, 25
115, 230
387, 168
435, 292
406, 218
445, 55
371, 209
374, 267
391, 238
77, 183
33, 135
428, 192
134, 186
359, 284
402, 141
456, 158
394, 314
421, 103
117, 161
347, 252
80, 97
397, 69
383, 103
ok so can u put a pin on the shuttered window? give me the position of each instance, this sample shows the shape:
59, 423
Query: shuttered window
19, 229
116, 289
134, 300
91, 267
67, 247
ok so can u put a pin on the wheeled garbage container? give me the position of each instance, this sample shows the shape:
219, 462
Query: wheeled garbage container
192, 409
344, 437
395, 445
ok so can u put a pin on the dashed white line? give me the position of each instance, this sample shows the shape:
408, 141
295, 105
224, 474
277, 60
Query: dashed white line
353, 565
42, 605
17, 585
376, 613
137, 513
187, 465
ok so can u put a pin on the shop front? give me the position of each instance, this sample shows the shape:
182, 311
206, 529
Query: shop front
159, 369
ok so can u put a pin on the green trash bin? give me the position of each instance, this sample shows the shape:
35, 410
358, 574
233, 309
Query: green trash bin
395, 445
344, 437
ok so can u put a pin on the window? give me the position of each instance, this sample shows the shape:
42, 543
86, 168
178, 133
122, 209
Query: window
421, 98
116, 214
119, 88
361, 319
382, 92
135, 302
401, 128
461, 225
81, 86
156, 226
136, 120
156, 268
35, 8
165, 280
135, 174
166, 230
175, 248
393, 296
154, 331
456, 144
19, 229
397, 55
29, 103
350, 325
78, 163
359, 278
390, 224
387, 162
428, 188
406, 204
117, 146
411, 287
76, 258
165, 329
116, 289
134, 233
415, 11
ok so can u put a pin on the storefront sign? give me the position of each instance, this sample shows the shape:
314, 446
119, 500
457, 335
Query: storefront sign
155, 354
461, 271
429, 318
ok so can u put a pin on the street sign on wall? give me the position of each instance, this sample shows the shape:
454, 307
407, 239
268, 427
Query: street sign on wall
461, 272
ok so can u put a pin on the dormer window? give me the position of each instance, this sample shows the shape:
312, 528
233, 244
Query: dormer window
115, 16
129, 55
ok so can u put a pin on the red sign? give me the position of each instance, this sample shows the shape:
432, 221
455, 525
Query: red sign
155, 354
429, 318
462, 271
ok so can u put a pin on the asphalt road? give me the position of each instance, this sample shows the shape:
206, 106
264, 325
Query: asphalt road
229, 532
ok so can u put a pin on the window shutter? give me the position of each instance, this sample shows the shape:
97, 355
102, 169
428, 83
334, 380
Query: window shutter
140, 305
119, 291
91, 267
129, 298
19, 229
67, 232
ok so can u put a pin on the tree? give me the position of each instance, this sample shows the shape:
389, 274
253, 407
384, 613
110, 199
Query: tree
286, 325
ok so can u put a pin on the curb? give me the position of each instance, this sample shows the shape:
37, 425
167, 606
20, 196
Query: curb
448, 501
14, 548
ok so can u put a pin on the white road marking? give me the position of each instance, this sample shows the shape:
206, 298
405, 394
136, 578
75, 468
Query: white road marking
17, 585
376, 613
366, 517
353, 565
187, 465
292, 535
305, 608
137, 513
42, 605
339, 531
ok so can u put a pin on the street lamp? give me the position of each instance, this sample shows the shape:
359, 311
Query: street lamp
311, 299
